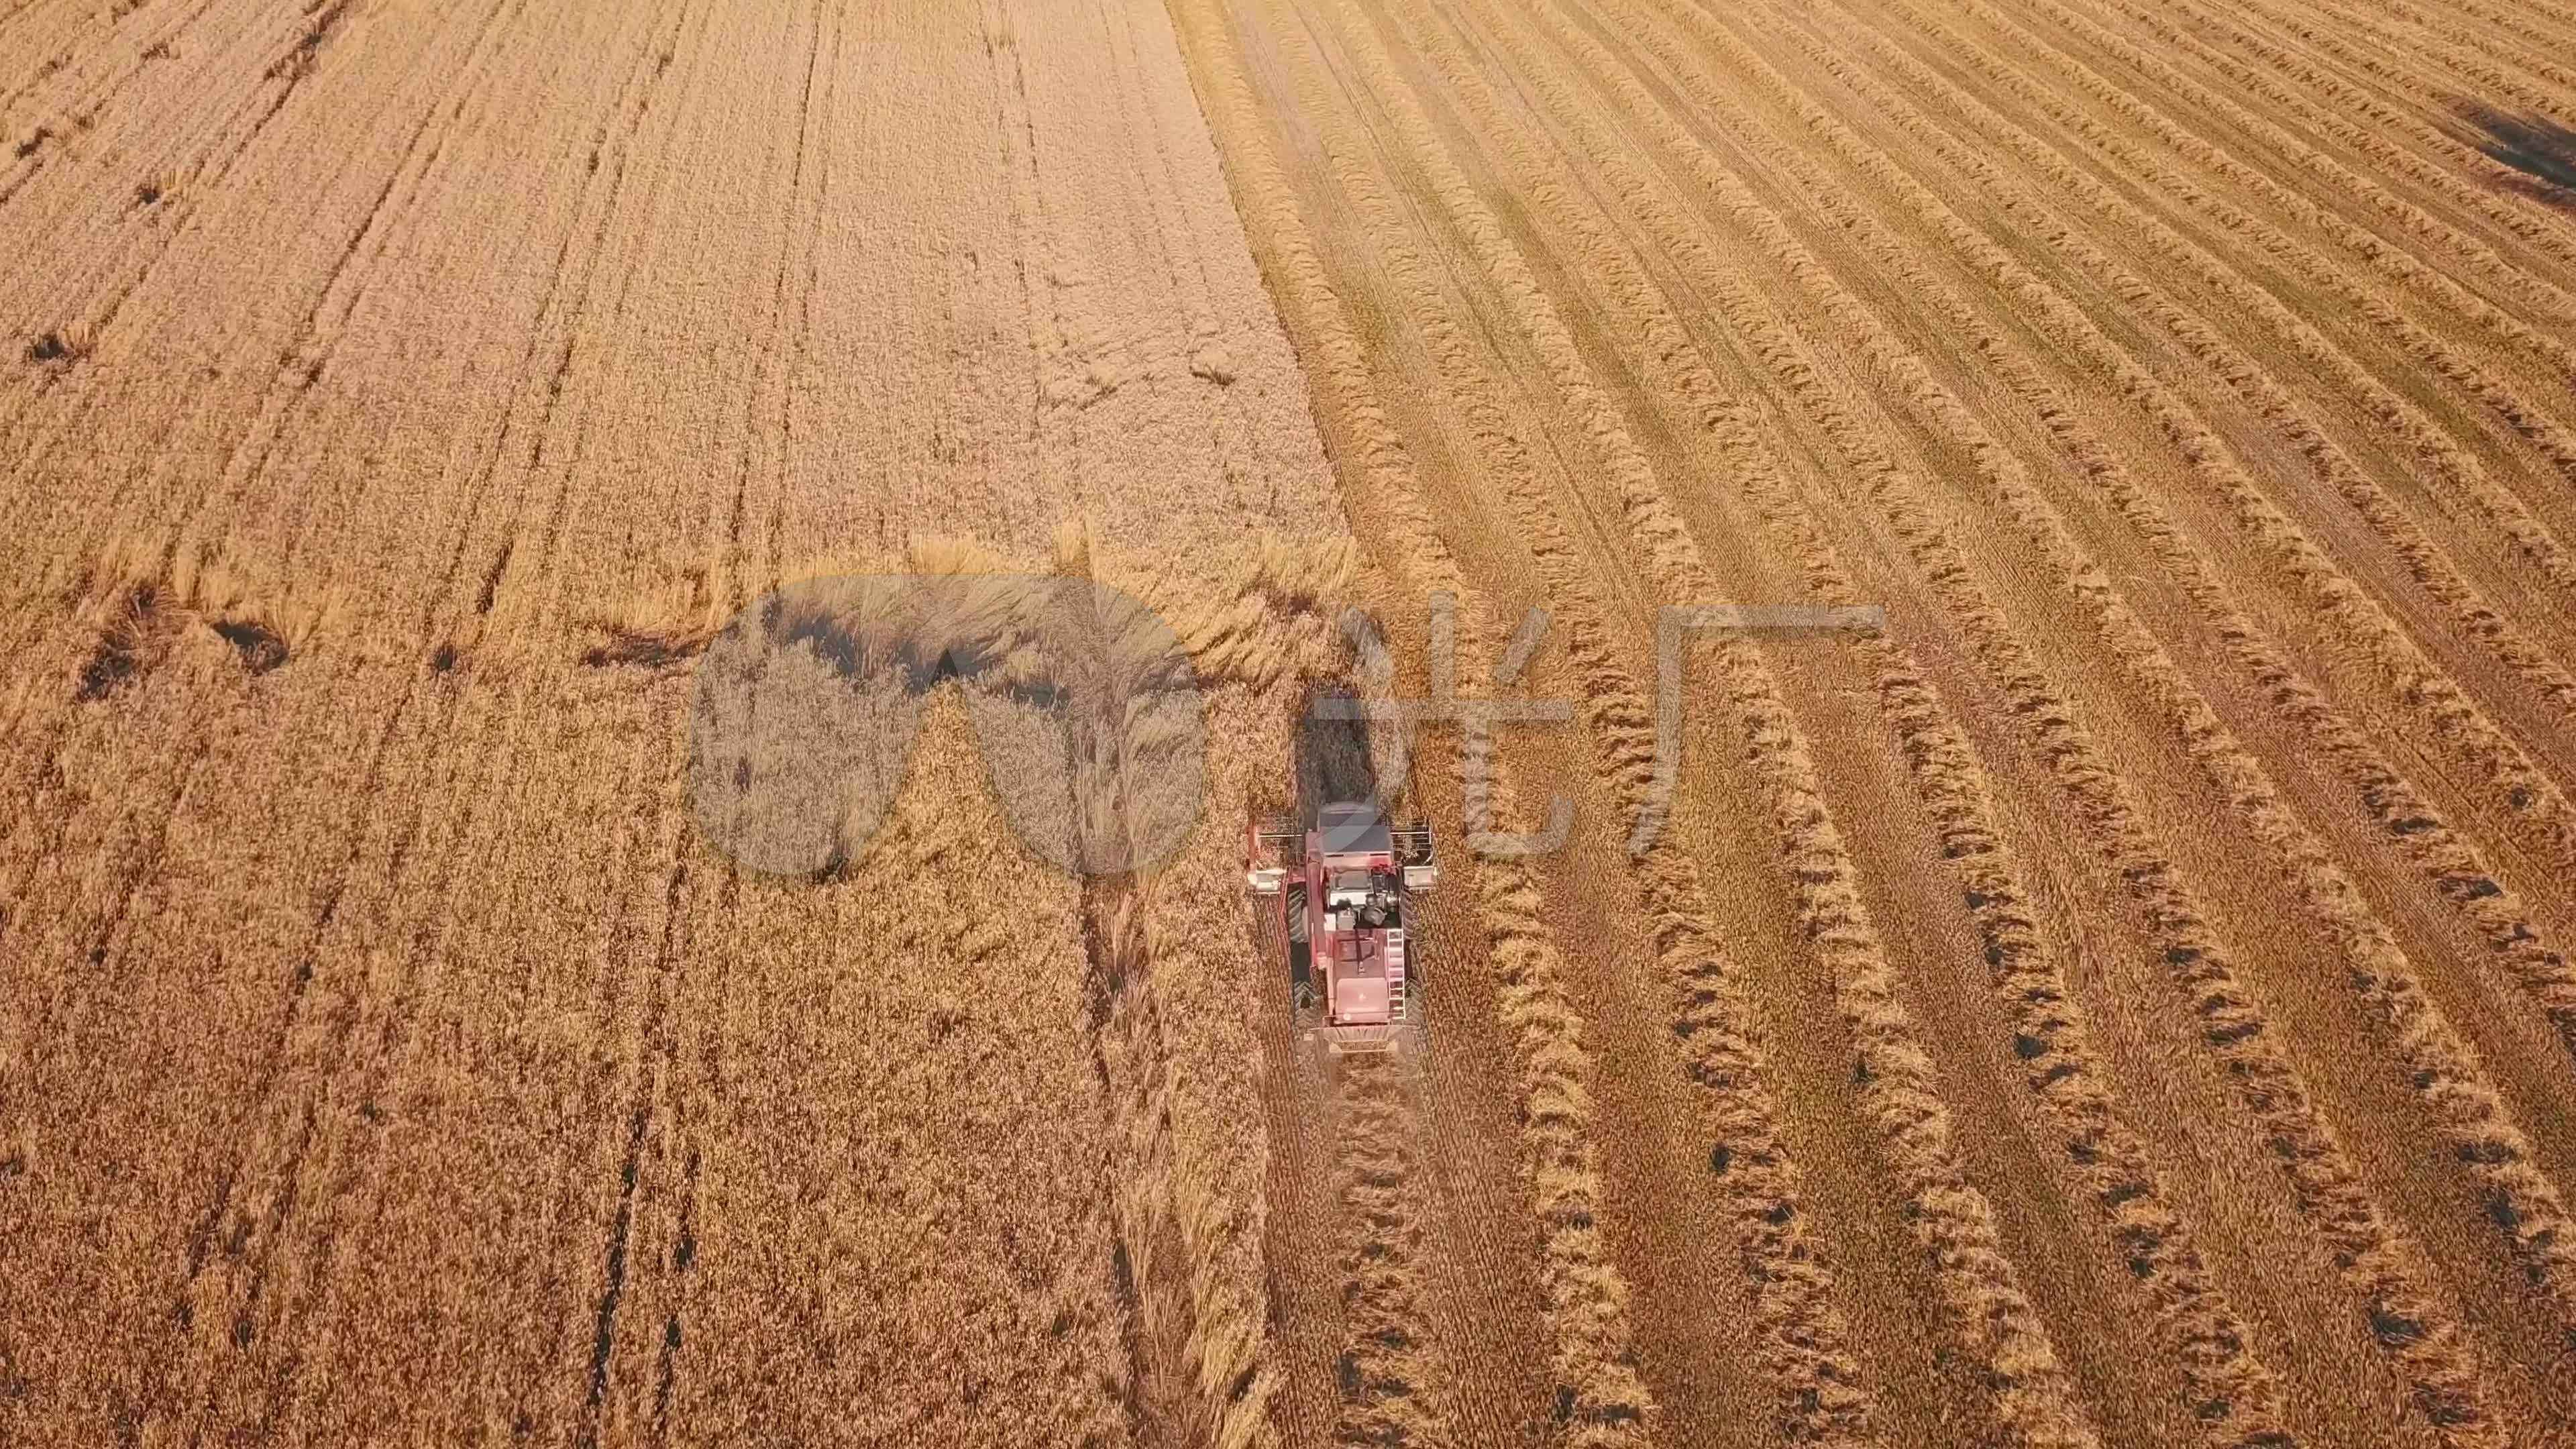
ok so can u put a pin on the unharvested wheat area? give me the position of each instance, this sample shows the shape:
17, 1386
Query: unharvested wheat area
2122, 1000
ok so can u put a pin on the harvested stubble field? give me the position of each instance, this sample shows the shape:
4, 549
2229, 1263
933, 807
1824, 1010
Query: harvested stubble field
2121, 1001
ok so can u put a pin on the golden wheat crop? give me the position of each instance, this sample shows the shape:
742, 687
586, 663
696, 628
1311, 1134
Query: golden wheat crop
639, 639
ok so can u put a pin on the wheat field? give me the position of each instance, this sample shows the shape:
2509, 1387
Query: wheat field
482, 961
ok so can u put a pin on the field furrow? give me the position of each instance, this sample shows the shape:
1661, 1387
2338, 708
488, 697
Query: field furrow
651, 657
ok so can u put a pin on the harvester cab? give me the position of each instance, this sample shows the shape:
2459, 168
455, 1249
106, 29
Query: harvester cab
1347, 884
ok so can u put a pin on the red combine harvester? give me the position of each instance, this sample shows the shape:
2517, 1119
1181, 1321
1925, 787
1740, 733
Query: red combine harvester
1346, 886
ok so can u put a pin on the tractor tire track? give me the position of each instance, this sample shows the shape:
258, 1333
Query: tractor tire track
2403, 419
1993, 1316
2239, 1395
2538, 548
1819, 1399
1802, 1344
2547, 97
2363, 122
2390, 1275
241, 121
358, 1170
2426, 565
297, 368
2547, 297
2457, 869
1618, 710
1390, 1377
1150, 1266
2411, 676
1201, 1352
2446, 1070
518, 440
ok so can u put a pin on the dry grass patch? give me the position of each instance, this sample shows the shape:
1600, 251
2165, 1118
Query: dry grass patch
62, 346
145, 608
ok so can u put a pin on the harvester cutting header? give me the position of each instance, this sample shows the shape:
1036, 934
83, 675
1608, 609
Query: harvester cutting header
1346, 885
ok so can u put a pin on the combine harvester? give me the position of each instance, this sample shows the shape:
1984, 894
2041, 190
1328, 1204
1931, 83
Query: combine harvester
1347, 885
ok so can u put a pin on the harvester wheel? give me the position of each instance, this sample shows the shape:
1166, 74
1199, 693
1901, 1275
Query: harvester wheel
1305, 1010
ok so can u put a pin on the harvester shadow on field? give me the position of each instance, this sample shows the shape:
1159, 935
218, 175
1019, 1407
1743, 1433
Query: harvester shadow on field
1083, 702
2541, 149
1332, 762
1351, 1127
